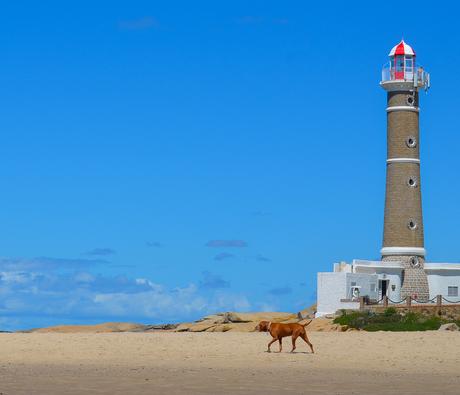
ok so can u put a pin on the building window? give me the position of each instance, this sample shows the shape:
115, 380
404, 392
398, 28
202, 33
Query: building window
412, 182
412, 225
410, 100
414, 262
372, 287
452, 291
411, 142
353, 283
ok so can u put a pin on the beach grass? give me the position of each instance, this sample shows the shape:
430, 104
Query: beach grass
389, 320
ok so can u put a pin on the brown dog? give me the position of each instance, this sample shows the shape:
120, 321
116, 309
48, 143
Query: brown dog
278, 331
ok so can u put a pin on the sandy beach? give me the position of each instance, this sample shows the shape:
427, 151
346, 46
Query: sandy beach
210, 363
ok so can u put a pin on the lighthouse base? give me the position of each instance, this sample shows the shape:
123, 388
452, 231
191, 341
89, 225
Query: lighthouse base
413, 277
348, 282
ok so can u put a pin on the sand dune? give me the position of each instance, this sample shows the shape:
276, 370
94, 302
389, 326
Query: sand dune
228, 363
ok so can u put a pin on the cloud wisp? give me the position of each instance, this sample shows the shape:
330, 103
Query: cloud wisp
154, 244
249, 20
213, 281
278, 291
223, 256
226, 244
261, 213
261, 258
101, 252
47, 263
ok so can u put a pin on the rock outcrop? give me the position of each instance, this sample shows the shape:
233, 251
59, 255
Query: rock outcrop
449, 327
222, 322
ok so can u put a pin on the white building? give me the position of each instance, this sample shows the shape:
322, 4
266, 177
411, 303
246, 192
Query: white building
342, 288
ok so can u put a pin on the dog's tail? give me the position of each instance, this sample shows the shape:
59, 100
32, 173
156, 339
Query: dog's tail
308, 323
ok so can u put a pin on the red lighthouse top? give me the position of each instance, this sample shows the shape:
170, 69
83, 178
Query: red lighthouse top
402, 49
402, 61
402, 72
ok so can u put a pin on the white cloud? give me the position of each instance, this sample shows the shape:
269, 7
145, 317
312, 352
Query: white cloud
47, 298
161, 304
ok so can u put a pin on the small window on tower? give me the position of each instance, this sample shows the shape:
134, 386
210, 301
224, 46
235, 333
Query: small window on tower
412, 225
414, 262
411, 142
412, 182
452, 291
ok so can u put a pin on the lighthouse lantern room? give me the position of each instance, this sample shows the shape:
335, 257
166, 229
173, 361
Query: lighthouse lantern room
402, 70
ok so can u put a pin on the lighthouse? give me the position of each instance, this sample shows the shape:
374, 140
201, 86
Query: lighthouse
403, 241
402, 274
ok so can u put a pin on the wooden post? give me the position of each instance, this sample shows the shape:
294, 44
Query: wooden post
361, 303
385, 301
408, 301
438, 304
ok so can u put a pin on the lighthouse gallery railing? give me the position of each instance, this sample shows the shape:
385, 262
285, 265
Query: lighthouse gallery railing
417, 75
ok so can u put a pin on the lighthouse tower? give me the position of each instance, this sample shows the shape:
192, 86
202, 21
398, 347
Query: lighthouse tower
402, 271
403, 239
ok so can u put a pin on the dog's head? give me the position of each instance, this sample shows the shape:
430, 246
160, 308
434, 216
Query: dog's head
262, 326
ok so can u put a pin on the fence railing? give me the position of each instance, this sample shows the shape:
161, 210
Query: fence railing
437, 301
415, 75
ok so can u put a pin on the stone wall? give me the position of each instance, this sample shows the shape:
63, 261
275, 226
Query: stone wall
449, 312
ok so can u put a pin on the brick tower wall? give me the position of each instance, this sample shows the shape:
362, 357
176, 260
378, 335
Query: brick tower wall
403, 224
403, 203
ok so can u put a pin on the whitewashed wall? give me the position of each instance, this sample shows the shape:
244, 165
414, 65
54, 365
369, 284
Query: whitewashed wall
439, 280
364, 281
331, 287
395, 279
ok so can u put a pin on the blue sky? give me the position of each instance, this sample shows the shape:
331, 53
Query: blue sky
165, 160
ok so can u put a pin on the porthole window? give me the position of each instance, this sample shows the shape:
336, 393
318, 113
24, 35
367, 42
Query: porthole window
410, 100
411, 142
412, 224
414, 261
412, 182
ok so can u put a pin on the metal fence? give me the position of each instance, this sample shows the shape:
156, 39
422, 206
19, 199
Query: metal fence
415, 75
437, 301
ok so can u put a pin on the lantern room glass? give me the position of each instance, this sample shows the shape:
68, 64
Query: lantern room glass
402, 67
409, 68
399, 67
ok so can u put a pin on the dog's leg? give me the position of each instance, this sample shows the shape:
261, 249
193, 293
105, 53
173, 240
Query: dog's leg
269, 344
294, 338
281, 343
305, 338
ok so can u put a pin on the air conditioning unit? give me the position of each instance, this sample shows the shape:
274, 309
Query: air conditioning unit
355, 291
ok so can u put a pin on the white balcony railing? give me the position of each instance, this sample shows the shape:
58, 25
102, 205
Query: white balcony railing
417, 76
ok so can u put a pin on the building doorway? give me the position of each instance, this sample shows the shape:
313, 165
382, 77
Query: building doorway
383, 288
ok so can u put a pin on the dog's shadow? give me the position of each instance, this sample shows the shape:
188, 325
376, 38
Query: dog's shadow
287, 352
